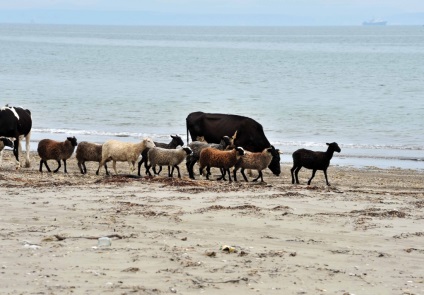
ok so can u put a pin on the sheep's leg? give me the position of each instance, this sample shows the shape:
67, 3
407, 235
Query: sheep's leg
160, 169
41, 166
313, 174
85, 167
59, 165
81, 167
148, 170
107, 172
114, 167
190, 169
260, 175
223, 173
132, 166
292, 173
229, 174
178, 170
64, 164
170, 172
244, 175
139, 165
235, 174
326, 179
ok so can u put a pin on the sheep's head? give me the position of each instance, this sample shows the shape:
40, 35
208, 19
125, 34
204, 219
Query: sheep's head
334, 146
73, 140
7, 142
177, 140
148, 142
188, 150
225, 141
274, 166
239, 152
200, 138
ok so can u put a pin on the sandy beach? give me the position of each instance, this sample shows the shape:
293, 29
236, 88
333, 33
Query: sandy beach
362, 235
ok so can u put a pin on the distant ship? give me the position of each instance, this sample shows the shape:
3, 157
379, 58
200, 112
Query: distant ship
374, 22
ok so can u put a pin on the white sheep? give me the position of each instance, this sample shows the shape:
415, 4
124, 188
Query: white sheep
167, 157
257, 161
54, 150
211, 157
118, 151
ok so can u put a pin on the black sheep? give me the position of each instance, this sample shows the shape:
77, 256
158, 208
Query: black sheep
313, 160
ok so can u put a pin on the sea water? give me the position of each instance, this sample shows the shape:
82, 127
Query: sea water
361, 87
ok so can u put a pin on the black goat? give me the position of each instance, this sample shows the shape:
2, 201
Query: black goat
176, 141
313, 160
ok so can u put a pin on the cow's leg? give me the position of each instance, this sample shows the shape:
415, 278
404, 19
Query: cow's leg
16, 152
27, 147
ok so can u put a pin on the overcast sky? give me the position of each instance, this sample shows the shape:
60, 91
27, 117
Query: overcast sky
298, 11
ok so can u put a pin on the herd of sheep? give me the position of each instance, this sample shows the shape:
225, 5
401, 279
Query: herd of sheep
223, 156
248, 150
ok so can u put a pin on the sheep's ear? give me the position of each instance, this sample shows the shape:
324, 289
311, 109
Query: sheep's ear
327, 143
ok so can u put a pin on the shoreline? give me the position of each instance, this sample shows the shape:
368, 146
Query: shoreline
362, 235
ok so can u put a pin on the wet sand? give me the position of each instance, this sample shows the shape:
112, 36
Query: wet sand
362, 235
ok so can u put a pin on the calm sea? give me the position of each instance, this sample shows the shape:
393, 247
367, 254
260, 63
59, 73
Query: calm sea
359, 86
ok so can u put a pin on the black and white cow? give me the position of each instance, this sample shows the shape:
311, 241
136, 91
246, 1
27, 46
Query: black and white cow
16, 122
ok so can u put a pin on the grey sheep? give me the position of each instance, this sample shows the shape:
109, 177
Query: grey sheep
88, 152
175, 141
313, 160
54, 150
256, 161
211, 157
167, 157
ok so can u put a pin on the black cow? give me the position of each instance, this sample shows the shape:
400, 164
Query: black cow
250, 134
16, 122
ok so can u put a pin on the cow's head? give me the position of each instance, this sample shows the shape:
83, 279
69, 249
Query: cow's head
274, 166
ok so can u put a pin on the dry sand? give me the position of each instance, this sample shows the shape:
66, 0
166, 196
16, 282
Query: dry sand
362, 235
